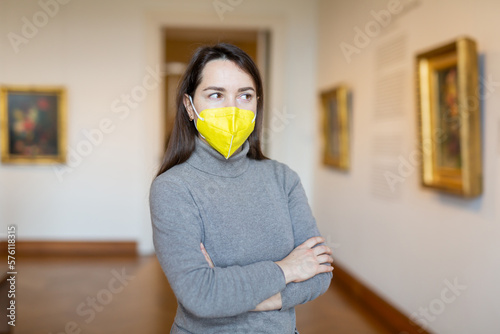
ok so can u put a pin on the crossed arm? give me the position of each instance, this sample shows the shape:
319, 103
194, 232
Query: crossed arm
305, 261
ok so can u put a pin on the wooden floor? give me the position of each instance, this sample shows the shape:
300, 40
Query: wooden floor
131, 295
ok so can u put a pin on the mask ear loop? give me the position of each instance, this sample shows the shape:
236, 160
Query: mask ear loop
199, 117
253, 120
192, 104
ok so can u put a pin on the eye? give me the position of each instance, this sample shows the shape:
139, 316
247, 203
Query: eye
246, 96
215, 96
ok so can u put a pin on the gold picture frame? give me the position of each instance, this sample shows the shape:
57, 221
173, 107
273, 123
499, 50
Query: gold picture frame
449, 118
336, 110
33, 125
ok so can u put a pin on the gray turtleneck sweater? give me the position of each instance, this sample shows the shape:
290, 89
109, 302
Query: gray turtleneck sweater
248, 214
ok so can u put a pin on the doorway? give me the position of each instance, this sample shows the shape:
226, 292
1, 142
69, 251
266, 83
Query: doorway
181, 43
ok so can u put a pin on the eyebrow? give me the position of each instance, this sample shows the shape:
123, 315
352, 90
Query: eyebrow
222, 89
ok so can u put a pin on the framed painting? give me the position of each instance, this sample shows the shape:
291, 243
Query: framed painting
449, 118
336, 112
33, 125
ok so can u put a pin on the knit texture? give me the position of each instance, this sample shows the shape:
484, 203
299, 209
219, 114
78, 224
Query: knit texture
248, 214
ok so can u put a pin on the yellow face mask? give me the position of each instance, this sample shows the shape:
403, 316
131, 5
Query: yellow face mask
225, 129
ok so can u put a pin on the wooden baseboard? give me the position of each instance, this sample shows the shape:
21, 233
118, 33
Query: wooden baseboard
392, 317
73, 248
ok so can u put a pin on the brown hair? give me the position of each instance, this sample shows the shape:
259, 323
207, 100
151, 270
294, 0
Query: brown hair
181, 143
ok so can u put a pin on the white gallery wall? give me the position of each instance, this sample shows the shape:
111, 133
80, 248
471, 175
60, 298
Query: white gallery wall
434, 256
107, 54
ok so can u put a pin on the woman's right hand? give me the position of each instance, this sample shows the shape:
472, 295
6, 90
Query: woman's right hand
306, 261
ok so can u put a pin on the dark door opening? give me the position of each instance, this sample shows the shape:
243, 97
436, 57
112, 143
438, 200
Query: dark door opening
180, 44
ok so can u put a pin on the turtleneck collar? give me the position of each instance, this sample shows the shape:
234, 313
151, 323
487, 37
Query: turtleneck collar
208, 160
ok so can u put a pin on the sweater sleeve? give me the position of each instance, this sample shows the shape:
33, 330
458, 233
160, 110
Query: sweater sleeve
204, 291
304, 227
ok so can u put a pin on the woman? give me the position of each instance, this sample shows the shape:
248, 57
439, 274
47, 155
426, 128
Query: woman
232, 229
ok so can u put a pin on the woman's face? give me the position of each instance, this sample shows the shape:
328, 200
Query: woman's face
223, 84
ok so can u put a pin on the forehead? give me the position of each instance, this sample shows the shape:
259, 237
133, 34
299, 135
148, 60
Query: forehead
225, 73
